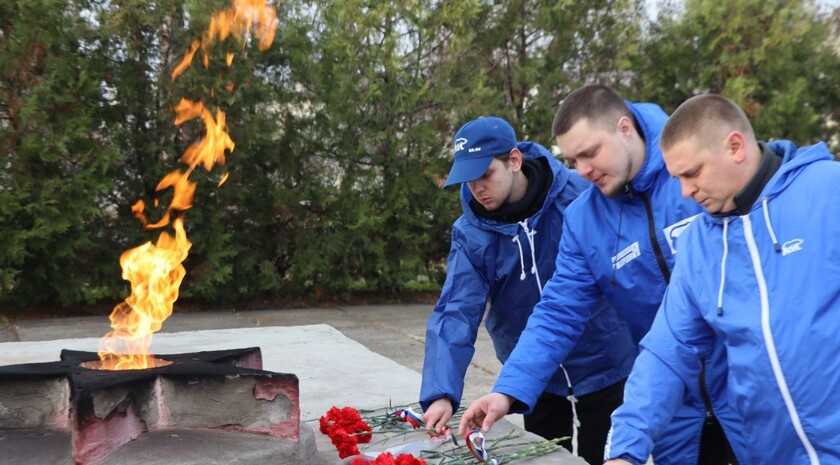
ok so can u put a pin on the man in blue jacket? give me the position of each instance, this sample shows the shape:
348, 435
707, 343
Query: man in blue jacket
619, 241
760, 278
514, 197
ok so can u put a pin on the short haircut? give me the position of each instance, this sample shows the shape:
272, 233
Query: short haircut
597, 103
504, 157
708, 117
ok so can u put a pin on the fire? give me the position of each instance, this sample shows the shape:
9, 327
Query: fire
237, 21
155, 271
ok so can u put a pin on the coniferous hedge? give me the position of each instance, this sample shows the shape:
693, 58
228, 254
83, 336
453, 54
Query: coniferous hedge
342, 128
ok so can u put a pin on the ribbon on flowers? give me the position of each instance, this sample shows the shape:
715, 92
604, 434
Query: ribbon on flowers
408, 415
475, 443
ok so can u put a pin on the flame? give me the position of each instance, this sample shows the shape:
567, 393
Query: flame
237, 21
155, 271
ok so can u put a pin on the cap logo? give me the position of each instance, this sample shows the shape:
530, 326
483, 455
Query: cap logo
459, 144
474, 149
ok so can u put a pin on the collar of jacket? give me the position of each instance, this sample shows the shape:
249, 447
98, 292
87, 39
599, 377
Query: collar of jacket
794, 159
650, 119
747, 196
539, 176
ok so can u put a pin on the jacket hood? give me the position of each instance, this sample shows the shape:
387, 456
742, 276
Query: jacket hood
650, 119
794, 159
530, 150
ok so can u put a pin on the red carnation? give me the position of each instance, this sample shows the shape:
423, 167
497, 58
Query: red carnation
408, 459
384, 458
345, 428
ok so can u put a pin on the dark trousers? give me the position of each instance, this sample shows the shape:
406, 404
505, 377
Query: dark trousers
714, 447
552, 418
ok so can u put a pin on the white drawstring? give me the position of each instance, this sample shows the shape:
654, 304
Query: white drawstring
723, 268
522, 276
776, 245
575, 420
529, 233
770, 231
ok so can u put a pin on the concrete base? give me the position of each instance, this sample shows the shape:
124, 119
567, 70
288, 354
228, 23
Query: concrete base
166, 447
106, 410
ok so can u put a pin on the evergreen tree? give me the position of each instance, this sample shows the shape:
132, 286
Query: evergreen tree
55, 157
772, 58
342, 128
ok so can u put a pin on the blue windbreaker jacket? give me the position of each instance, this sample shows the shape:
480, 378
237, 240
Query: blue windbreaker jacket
622, 249
494, 261
775, 275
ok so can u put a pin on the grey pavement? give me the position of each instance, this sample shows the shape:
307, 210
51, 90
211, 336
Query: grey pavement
396, 332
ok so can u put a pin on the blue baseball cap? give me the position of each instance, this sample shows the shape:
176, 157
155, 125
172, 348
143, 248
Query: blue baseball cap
475, 145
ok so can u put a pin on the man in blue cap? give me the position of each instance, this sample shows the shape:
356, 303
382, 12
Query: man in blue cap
514, 196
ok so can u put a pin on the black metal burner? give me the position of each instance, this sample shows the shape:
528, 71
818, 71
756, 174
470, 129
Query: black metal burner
231, 362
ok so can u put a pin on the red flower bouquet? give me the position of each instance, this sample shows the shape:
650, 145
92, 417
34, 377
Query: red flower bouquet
346, 429
398, 445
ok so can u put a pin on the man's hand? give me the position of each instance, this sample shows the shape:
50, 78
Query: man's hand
617, 462
484, 412
437, 415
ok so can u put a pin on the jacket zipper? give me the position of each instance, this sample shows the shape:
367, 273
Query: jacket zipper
666, 273
660, 259
704, 393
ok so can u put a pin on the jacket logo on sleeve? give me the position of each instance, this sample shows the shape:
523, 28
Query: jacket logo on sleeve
791, 246
673, 231
626, 256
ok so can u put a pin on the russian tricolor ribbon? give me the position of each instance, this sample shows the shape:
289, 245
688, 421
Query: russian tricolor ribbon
476, 445
409, 416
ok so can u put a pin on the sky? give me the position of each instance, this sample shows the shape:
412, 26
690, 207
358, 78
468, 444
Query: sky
652, 6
